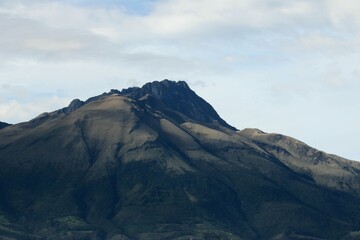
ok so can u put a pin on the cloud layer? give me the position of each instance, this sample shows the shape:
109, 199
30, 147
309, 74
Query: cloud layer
289, 66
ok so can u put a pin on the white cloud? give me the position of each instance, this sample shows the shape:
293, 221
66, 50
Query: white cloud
175, 22
106, 32
51, 45
19, 111
344, 14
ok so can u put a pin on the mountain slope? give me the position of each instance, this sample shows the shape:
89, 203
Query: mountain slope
4, 124
133, 164
327, 170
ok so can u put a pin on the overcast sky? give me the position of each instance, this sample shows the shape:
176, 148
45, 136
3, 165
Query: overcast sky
285, 66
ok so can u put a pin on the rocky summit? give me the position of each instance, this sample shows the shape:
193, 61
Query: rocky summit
158, 162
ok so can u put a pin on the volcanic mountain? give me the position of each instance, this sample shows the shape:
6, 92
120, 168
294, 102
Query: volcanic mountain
158, 162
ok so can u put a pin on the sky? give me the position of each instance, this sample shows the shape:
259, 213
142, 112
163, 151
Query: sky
284, 66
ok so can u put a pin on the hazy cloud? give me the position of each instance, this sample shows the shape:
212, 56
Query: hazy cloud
18, 111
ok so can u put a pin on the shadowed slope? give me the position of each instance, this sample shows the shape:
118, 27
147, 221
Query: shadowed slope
4, 124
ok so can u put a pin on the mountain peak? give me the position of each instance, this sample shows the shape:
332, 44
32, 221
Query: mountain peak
177, 96
173, 97
159, 89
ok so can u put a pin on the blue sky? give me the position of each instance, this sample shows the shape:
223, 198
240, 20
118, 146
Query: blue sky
139, 7
282, 66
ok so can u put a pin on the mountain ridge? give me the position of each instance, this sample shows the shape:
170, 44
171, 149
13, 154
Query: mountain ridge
176, 96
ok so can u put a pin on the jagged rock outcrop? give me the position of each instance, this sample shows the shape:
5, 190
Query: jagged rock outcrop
74, 105
137, 164
178, 97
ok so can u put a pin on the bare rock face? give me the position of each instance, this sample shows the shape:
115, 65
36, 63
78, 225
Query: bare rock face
158, 162
178, 97
74, 105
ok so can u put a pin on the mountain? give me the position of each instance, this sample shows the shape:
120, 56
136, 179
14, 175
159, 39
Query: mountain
158, 162
4, 124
